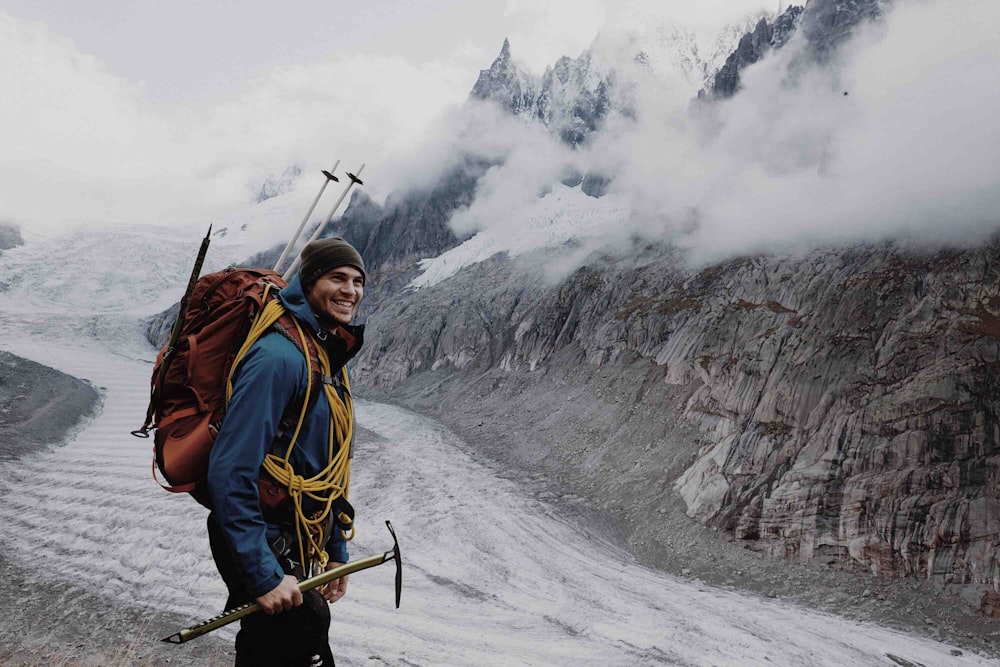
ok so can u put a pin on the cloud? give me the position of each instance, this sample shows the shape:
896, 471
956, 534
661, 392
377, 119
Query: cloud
81, 145
897, 138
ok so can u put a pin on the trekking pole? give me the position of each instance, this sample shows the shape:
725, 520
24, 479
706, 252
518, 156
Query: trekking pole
175, 332
295, 237
319, 230
227, 617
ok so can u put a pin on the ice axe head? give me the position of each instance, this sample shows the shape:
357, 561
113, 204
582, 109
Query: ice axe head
399, 562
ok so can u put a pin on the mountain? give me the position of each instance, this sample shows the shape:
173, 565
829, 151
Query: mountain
823, 25
274, 186
836, 407
10, 236
766, 35
574, 97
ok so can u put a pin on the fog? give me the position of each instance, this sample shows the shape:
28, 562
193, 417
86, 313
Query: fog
896, 138
114, 114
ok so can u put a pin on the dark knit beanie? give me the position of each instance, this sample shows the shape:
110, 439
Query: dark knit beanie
324, 255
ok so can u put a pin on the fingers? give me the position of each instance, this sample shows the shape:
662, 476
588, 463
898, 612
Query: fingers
282, 597
335, 589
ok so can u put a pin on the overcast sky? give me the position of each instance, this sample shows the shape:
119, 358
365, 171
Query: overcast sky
116, 110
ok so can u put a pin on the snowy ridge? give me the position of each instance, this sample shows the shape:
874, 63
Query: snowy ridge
483, 563
565, 216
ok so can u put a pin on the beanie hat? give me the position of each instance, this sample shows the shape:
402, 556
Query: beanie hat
323, 255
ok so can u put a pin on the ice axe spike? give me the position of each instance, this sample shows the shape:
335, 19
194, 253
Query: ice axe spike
319, 230
295, 237
230, 615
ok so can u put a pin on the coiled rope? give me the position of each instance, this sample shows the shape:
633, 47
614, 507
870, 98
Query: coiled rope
334, 480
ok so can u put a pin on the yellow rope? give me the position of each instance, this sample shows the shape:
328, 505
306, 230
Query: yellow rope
334, 480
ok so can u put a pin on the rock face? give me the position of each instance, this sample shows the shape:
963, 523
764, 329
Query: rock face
274, 186
414, 225
572, 98
765, 36
840, 407
39, 406
10, 236
824, 25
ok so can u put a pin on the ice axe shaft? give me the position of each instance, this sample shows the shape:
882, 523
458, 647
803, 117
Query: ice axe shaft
175, 332
230, 615
295, 237
199, 261
319, 230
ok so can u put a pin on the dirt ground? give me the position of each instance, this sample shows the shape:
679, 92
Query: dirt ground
58, 625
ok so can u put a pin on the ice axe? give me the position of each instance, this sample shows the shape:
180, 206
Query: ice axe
230, 615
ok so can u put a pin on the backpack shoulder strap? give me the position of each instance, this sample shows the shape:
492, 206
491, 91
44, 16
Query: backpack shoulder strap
286, 327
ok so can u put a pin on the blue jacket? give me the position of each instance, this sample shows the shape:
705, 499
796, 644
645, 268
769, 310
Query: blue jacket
269, 377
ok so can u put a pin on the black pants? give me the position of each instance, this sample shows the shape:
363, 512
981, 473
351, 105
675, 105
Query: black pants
298, 637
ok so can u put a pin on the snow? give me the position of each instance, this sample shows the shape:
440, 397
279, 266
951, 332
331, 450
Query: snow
565, 218
491, 576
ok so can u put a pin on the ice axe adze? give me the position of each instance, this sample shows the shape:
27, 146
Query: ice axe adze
227, 617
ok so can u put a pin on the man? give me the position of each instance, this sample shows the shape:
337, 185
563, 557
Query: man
253, 537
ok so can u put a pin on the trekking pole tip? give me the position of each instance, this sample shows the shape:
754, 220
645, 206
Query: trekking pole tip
173, 639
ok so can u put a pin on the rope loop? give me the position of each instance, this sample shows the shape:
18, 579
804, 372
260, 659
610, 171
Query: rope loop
334, 480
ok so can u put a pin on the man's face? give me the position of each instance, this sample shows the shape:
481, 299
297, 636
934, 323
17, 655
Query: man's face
336, 294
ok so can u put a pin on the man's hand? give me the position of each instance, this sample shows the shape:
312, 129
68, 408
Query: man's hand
282, 597
334, 590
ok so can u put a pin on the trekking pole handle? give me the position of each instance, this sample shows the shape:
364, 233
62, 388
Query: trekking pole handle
235, 614
295, 237
319, 230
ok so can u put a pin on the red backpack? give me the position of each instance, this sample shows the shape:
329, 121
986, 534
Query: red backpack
189, 382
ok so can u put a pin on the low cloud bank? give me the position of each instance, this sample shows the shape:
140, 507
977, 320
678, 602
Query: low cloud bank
83, 146
897, 137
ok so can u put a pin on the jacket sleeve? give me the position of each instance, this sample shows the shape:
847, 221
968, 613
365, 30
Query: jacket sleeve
266, 381
336, 546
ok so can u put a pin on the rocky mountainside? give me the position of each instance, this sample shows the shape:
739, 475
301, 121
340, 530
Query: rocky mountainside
10, 236
39, 406
574, 97
823, 24
274, 186
839, 407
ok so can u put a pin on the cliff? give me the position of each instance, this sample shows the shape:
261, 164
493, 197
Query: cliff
840, 407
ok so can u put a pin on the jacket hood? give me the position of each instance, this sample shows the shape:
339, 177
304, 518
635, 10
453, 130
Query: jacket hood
294, 299
347, 339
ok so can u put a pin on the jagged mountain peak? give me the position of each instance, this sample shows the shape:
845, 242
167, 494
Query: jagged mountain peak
824, 25
505, 84
274, 186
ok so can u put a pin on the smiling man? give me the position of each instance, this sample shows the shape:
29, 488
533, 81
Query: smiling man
256, 542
